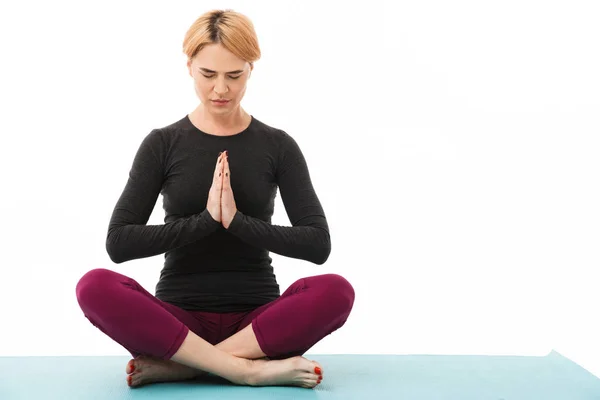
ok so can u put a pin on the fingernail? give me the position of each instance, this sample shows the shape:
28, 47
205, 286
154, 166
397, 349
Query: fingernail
317, 370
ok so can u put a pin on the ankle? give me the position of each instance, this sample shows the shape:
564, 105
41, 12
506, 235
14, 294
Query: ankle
251, 369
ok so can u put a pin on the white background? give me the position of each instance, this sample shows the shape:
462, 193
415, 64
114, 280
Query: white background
454, 147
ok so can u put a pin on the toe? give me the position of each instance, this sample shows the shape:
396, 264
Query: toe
311, 383
318, 370
315, 367
310, 380
134, 380
130, 366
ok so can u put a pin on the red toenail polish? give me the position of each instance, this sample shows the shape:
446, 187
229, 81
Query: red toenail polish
317, 370
132, 368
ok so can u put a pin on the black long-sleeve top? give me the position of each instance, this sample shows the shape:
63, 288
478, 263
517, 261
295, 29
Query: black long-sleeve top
207, 267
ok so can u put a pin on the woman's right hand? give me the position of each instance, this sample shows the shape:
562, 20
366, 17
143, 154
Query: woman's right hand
213, 205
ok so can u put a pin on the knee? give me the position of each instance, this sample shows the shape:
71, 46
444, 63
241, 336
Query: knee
339, 291
92, 283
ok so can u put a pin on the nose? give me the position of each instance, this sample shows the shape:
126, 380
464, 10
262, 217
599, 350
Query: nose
221, 87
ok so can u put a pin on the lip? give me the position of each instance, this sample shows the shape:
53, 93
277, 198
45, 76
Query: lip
220, 101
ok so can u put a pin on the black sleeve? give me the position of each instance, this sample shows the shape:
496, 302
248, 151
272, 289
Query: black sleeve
128, 235
308, 238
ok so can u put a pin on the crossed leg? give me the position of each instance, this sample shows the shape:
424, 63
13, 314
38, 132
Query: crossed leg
144, 369
282, 330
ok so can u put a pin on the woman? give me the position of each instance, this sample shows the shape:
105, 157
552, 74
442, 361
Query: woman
218, 307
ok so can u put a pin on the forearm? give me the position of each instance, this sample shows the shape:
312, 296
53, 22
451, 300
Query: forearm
127, 241
310, 242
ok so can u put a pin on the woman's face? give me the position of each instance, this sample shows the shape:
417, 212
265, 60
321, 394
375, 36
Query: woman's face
219, 74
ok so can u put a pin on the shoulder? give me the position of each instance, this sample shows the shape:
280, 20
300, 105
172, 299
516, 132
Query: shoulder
163, 137
285, 147
278, 136
173, 129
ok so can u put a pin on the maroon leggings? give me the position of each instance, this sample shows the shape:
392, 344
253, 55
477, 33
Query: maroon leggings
310, 309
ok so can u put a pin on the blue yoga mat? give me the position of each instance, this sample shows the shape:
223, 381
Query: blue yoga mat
346, 377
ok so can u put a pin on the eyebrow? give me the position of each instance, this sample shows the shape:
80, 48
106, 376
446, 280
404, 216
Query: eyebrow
210, 71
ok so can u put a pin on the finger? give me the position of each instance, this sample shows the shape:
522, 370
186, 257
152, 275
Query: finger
227, 172
220, 175
218, 167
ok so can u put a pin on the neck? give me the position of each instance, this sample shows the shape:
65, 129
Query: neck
223, 121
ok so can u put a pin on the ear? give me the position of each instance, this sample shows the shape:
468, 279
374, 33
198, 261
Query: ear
189, 66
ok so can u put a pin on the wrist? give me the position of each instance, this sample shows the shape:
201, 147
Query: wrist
234, 220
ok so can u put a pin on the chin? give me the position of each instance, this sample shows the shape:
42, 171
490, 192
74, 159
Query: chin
222, 110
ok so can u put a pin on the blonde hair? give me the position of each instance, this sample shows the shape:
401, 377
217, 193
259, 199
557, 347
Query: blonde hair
232, 30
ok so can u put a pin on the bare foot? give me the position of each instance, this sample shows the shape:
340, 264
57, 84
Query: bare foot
294, 371
143, 370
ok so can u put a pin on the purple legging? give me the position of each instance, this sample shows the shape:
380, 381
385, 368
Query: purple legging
310, 309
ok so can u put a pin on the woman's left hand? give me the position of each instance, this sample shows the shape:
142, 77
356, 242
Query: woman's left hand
228, 207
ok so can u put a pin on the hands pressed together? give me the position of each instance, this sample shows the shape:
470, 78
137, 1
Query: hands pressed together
221, 204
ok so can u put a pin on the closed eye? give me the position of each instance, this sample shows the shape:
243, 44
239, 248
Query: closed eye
212, 76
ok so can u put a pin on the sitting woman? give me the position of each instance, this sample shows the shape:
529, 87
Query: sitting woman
218, 307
